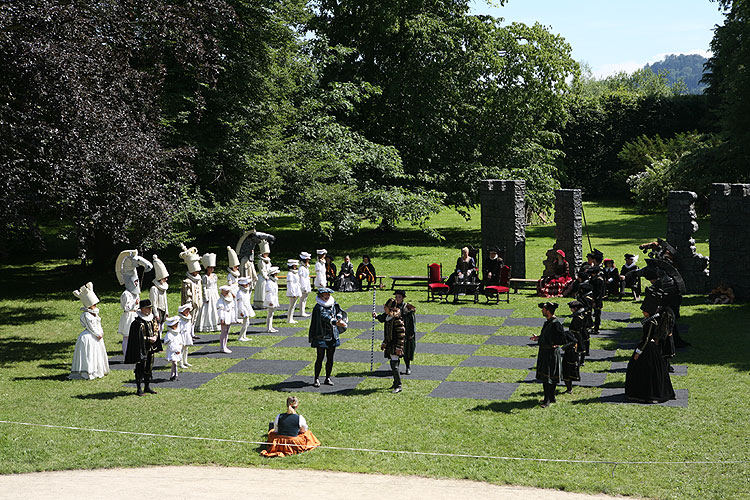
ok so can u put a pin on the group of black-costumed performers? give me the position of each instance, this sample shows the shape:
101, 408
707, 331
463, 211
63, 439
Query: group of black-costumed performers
562, 353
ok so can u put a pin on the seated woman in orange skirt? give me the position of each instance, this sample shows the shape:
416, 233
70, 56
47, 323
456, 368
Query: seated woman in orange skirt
289, 434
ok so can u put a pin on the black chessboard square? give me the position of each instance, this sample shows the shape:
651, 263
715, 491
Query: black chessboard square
367, 335
238, 352
616, 316
535, 322
282, 330
268, 366
186, 380
437, 348
510, 340
617, 396
490, 313
115, 362
206, 338
466, 329
499, 362
298, 383
298, 342
587, 379
418, 372
352, 356
431, 318
359, 308
361, 325
474, 390
622, 367
600, 354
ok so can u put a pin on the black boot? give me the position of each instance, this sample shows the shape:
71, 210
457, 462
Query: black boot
139, 391
148, 389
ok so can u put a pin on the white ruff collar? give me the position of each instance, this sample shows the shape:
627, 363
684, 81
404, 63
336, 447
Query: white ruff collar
148, 318
267, 260
194, 279
325, 303
93, 312
161, 286
234, 273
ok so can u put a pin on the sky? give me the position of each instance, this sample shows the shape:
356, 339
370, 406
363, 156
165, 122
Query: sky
624, 35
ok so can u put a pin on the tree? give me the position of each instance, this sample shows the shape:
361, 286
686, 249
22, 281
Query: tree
461, 97
80, 115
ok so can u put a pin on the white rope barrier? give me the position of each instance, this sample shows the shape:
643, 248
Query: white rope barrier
394, 452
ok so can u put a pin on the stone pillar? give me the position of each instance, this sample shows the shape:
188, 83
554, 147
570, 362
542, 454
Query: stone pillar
681, 224
569, 226
730, 238
504, 221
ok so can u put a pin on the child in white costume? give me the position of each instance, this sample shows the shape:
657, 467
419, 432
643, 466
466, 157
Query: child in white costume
233, 276
207, 317
192, 290
225, 308
186, 332
244, 306
173, 340
126, 270
320, 269
272, 297
90, 356
158, 292
304, 281
293, 289
264, 264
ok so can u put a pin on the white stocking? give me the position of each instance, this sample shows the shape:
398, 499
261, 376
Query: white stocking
303, 304
290, 311
269, 320
124, 346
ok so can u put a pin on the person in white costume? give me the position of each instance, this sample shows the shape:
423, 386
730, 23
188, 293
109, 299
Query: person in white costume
293, 289
192, 289
304, 282
207, 317
264, 264
126, 270
320, 269
158, 292
90, 356
233, 276
186, 331
244, 306
225, 309
272, 297
129, 301
173, 341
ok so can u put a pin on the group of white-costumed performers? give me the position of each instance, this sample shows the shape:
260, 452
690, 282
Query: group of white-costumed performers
204, 305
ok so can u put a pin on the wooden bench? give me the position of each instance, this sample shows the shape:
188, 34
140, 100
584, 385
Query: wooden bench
411, 280
282, 281
516, 283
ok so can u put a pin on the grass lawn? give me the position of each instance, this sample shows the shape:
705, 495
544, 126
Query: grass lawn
39, 325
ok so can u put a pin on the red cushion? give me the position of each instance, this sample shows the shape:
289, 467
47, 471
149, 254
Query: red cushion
497, 289
437, 286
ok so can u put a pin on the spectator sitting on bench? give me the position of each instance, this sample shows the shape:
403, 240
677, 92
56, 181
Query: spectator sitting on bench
492, 267
366, 272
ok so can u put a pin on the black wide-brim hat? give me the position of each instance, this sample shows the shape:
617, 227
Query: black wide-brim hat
400, 292
550, 306
144, 303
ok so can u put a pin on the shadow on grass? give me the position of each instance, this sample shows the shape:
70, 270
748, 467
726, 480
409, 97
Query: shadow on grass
20, 315
298, 385
105, 396
58, 377
507, 406
18, 349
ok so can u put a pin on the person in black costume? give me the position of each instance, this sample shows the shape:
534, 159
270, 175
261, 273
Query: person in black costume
143, 342
632, 281
647, 378
584, 293
466, 272
331, 273
366, 272
346, 281
579, 328
394, 337
549, 359
409, 316
492, 267
611, 279
327, 321
596, 280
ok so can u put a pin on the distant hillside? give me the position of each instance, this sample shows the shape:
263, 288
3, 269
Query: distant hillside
688, 67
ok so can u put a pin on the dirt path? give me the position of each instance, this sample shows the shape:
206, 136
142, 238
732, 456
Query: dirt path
218, 483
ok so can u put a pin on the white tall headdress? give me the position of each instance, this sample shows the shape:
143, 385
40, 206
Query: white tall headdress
232, 256
264, 247
87, 295
208, 260
126, 266
160, 270
191, 258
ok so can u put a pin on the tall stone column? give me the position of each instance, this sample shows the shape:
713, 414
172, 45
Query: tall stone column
569, 226
730, 237
681, 224
504, 221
